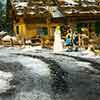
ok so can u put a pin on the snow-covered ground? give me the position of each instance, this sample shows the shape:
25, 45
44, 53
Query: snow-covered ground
34, 66
38, 71
5, 77
6, 52
81, 53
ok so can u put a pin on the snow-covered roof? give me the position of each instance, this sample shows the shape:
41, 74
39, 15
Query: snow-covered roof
55, 12
6, 38
88, 3
19, 13
3, 33
34, 8
89, 0
82, 12
31, 13
21, 4
14, 38
69, 2
18, 8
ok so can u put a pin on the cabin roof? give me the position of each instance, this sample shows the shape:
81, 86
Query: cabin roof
72, 7
42, 7
36, 7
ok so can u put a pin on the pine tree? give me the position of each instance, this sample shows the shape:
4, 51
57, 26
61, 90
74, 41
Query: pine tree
1, 15
9, 24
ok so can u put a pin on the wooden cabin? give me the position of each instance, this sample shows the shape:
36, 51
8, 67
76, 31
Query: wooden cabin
32, 18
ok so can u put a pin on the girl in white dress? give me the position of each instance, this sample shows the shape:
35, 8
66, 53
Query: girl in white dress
58, 46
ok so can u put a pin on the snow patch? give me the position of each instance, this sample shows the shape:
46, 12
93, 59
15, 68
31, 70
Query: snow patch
34, 95
5, 51
85, 65
31, 48
35, 65
5, 78
69, 2
83, 54
6, 75
23, 4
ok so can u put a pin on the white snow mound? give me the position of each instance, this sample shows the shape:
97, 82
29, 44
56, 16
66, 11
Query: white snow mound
5, 77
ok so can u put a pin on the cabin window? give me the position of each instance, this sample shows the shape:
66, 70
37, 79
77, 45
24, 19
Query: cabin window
17, 29
45, 31
79, 26
42, 31
97, 28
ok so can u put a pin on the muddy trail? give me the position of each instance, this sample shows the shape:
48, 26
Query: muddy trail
65, 82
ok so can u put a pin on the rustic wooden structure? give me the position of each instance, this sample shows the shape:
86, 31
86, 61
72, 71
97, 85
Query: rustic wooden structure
83, 15
37, 19
33, 19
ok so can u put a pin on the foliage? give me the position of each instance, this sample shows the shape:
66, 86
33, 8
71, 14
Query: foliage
8, 16
2, 17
